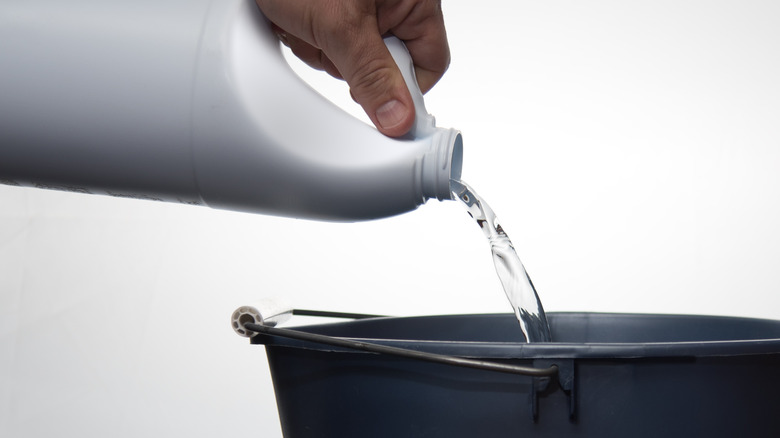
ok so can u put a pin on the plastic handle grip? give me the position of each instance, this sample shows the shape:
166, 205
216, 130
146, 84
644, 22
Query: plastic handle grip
424, 123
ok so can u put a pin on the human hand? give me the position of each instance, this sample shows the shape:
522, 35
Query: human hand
344, 38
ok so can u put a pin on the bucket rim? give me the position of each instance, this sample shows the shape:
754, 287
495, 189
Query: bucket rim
552, 350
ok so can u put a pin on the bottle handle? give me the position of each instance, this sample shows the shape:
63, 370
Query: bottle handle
424, 123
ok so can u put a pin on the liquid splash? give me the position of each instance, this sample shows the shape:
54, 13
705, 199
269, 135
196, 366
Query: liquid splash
517, 284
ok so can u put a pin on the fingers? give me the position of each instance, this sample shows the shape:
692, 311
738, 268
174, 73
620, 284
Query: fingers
312, 56
374, 79
344, 38
420, 25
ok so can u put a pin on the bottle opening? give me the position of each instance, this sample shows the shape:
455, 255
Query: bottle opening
456, 163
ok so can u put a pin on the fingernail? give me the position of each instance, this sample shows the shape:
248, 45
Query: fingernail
391, 114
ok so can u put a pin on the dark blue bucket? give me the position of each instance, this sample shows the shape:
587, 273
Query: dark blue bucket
616, 375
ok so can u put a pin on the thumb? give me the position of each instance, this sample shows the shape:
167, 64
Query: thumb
377, 85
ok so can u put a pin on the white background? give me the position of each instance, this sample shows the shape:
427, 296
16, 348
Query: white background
631, 149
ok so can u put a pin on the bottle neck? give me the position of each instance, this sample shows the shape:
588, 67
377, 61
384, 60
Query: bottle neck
442, 163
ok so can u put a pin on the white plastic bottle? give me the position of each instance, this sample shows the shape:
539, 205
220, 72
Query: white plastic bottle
191, 101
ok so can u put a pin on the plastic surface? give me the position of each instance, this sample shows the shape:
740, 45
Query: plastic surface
620, 375
424, 123
265, 312
196, 106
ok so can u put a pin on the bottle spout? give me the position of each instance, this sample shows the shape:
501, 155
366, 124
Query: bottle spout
443, 164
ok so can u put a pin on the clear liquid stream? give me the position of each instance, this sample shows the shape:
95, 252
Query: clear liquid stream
511, 272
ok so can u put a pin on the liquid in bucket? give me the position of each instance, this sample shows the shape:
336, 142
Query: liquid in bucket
517, 284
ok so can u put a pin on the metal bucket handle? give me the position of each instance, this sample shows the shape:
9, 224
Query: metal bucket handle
394, 351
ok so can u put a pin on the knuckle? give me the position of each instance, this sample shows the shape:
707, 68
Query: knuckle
371, 80
336, 23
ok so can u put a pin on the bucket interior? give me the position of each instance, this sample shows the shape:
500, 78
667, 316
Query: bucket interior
566, 327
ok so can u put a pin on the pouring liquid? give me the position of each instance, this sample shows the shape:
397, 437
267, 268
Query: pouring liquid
511, 272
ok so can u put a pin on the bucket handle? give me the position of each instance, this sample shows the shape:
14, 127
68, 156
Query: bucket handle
393, 351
